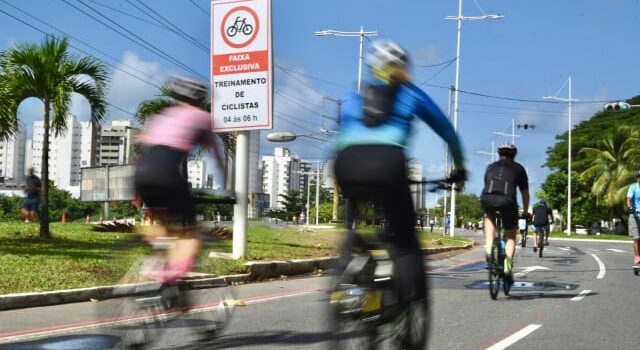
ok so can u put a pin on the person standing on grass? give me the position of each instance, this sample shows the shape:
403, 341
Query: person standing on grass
32, 189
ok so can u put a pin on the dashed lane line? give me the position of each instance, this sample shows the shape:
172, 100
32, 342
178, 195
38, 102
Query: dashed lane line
581, 296
512, 339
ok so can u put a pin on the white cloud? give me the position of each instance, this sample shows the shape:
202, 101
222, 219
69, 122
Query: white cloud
127, 91
430, 54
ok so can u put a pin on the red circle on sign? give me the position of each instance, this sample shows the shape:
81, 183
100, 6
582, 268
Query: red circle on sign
255, 31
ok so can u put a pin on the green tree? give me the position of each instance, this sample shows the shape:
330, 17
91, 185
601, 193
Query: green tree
293, 203
51, 74
613, 164
468, 208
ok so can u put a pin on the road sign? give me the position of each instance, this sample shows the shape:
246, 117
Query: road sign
241, 65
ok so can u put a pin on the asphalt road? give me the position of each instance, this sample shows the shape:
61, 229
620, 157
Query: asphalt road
580, 295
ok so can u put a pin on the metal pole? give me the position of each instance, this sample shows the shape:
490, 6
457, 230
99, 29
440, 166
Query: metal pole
513, 131
455, 112
336, 189
569, 167
106, 199
308, 194
446, 161
360, 58
493, 152
242, 201
318, 193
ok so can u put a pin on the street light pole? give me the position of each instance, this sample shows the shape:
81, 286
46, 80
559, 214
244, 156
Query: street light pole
570, 126
513, 132
460, 18
317, 192
362, 34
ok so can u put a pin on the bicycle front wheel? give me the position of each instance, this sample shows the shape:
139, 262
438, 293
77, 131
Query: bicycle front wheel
214, 310
540, 244
139, 321
351, 333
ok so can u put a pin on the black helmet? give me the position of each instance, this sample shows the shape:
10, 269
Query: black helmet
189, 90
507, 149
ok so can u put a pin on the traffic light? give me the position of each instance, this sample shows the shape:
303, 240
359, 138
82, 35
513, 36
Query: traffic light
617, 106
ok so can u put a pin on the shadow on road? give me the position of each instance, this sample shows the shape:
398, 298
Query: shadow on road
69, 342
262, 338
530, 296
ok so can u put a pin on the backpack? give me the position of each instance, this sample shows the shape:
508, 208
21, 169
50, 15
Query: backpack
378, 104
500, 180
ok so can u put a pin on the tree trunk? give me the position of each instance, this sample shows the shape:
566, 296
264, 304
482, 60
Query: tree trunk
44, 203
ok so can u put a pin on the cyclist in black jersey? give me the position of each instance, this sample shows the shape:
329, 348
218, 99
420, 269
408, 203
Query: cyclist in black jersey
542, 217
499, 194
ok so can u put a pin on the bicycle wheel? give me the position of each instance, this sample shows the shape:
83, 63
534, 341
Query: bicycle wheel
213, 310
139, 321
351, 332
540, 244
507, 283
523, 243
494, 276
415, 334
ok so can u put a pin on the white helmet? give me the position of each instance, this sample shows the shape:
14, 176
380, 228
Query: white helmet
383, 52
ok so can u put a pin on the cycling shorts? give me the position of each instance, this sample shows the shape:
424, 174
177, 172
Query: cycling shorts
507, 207
542, 228
161, 186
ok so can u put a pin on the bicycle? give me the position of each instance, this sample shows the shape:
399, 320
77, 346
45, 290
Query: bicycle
364, 304
151, 306
496, 263
523, 237
239, 26
541, 242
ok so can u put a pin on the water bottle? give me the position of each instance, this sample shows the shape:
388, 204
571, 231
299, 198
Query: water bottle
502, 243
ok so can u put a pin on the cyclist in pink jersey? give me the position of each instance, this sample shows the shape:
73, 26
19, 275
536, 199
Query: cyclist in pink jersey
161, 179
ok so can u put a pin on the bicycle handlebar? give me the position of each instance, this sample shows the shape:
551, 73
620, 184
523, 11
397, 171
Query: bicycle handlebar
440, 184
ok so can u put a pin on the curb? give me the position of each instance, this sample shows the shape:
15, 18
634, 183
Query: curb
257, 271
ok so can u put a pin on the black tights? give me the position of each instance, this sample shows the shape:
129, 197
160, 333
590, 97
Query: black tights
379, 173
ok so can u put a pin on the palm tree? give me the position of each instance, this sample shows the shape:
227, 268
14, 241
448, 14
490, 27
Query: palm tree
51, 74
166, 98
612, 165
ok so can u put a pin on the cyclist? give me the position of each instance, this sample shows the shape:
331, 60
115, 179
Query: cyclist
499, 195
161, 178
542, 217
633, 203
523, 226
371, 161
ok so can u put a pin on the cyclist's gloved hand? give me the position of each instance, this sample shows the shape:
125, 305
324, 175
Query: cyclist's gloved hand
458, 176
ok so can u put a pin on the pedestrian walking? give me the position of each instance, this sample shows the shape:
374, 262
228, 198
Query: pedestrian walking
32, 188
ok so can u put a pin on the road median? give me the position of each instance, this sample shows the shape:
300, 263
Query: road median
257, 271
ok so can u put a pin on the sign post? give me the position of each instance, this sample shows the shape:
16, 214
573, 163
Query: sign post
241, 81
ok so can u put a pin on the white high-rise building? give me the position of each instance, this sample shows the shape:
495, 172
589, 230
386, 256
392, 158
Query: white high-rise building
28, 154
114, 144
280, 174
12, 156
196, 173
67, 152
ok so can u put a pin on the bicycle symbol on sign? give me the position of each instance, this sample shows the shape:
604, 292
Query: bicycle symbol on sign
239, 26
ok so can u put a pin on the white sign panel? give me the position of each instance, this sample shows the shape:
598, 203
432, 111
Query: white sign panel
241, 73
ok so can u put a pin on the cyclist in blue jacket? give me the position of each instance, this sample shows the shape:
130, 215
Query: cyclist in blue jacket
371, 161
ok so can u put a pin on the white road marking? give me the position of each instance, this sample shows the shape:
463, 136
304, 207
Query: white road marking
512, 339
616, 250
566, 249
528, 269
603, 270
582, 294
593, 250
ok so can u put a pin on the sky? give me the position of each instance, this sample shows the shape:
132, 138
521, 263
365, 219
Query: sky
506, 65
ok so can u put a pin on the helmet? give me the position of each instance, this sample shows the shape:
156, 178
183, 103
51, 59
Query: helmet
190, 90
507, 149
383, 52
542, 201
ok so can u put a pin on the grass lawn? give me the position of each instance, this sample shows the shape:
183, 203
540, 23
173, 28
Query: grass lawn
608, 236
78, 257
